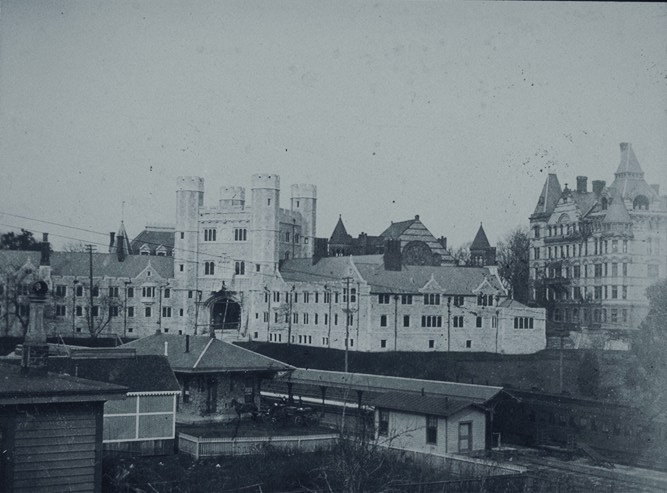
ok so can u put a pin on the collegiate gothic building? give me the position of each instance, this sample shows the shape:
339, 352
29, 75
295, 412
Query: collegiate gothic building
253, 270
594, 253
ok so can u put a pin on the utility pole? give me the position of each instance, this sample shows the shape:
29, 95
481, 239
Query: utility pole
74, 284
347, 320
328, 291
290, 296
125, 310
395, 322
449, 318
91, 325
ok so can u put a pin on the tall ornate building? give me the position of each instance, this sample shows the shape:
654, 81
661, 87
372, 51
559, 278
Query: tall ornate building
594, 253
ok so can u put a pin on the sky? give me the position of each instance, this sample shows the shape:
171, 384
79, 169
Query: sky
453, 111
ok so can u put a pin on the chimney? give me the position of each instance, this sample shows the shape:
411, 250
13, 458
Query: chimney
120, 248
443, 241
656, 188
187, 343
45, 249
166, 348
416, 217
112, 237
320, 250
582, 184
598, 186
392, 255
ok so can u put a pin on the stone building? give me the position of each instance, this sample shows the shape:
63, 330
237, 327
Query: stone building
594, 253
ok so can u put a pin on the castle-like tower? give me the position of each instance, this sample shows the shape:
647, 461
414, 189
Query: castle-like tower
225, 253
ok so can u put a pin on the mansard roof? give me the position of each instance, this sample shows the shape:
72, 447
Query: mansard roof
340, 234
481, 242
205, 354
154, 238
549, 197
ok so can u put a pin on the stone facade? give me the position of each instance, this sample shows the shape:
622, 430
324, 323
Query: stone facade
594, 253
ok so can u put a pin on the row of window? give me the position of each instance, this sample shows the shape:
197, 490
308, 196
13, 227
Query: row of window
61, 291
588, 271
435, 299
599, 247
211, 234
306, 297
579, 293
431, 427
599, 315
114, 311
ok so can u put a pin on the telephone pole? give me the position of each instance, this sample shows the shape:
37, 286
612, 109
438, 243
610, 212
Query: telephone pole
347, 320
90, 248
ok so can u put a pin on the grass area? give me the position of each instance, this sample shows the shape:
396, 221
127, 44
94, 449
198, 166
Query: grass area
346, 468
539, 371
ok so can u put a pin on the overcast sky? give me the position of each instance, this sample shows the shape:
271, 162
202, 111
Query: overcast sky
453, 111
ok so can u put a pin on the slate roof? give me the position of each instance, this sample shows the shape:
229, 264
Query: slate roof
141, 373
154, 238
422, 404
616, 212
206, 355
509, 303
629, 162
104, 264
340, 234
373, 383
481, 242
397, 229
585, 201
17, 388
127, 248
452, 279
549, 197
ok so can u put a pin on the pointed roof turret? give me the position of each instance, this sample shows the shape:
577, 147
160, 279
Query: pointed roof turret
480, 242
340, 234
122, 246
629, 165
617, 213
549, 197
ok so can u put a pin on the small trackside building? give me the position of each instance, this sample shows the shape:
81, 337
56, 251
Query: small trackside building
211, 374
433, 424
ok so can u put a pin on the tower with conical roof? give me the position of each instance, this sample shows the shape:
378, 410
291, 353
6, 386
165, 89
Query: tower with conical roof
481, 252
340, 243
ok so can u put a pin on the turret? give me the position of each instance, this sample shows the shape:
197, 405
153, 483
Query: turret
304, 200
189, 199
265, 223
232, 198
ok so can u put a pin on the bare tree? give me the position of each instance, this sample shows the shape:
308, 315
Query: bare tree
461, 254
99, 315
513, 267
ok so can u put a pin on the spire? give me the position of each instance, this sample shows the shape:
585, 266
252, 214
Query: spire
121, 246
481, 242
629, 164
549, 197
339, 234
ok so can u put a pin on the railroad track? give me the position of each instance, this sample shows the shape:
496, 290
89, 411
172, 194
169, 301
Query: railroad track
573, 478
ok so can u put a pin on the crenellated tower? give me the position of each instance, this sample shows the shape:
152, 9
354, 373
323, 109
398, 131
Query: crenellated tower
189, 199
304, 201
265, 222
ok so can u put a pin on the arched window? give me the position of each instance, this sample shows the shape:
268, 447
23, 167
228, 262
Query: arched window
640, 203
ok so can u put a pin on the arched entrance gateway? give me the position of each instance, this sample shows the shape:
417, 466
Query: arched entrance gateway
224, 311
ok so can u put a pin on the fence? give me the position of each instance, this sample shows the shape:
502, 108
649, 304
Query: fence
214, 447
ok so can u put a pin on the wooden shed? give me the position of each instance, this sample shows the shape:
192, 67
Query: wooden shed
51, 431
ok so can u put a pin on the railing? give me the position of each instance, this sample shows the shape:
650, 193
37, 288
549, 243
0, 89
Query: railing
214, 447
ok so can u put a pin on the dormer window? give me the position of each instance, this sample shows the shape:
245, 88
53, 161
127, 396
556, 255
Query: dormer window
145, 250
161, 251
640, 203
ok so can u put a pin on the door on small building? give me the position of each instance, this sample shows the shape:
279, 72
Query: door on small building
465, 436
211, 394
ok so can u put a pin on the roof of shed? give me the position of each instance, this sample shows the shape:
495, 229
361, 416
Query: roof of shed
383, 383
423, 404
